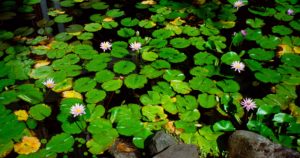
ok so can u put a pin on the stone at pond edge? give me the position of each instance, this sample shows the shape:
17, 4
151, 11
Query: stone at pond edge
248, 144
159, 142
179, 151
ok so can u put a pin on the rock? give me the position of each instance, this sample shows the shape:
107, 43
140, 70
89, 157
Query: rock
248, 144
179, 151
159, 142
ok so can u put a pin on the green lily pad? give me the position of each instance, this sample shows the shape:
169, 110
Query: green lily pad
149, 56
295, 24
130, 111
255, 23
163, 88
104, 75
115, 13
291, 60
84, 84
173, 75
98, 63
126, 32
64, 18
135, 81
95, 96
207, 101
109, 24
229, 86
5, 35
112, 85
205, 85
162, 33
172, 55
129, 22
86, 36
190, 116
103, 136
202, 58
124, 67
158, 43
41, 72
223, 125
268, 75
153, 113
179, 42
140, 137
261, 54
119, 52
151, 72
99, 5
263, 11
180, 86
152, 98
186, 127
60, 143
253, 65
40, 112
209, 30
96, 113
282, 30
29, 93
161, 64
230, 57
283, 118
270, 42
85, 51
147, 24
92, 27
129, 127
191, 31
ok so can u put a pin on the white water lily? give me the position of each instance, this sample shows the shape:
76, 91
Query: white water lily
77, 110
49, 83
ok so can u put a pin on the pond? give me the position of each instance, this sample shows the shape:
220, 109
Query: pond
78, 76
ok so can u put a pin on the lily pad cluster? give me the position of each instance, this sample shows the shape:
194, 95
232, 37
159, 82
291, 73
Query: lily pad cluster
138, 67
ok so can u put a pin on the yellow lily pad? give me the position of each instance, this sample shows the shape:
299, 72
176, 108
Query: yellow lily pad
65, 85
71, 94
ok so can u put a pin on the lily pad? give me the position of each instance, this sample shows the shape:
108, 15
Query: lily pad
268, 75
124, 67
104, 75
179, 42
95, 96
126, 32
135, 81
64, 18
40, 112
190, 116
223, 125
202, 58
129, 127
92, 27
180, 86
129, 22
282, 30
153, 113
84, 84
207, 101
60, 143
230, 57
112, 85
261, 54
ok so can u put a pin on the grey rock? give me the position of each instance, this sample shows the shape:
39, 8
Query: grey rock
246, 144
159, 142
179, 151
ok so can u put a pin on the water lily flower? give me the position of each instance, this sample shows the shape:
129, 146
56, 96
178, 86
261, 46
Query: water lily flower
238, 66
238, 4
290, 12
244, 32
135, 46
49, 83
105, 46
248, 104
77, 110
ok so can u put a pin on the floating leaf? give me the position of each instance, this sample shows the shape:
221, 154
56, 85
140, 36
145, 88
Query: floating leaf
99, 5
282, 30
172, 55
202, 58
268, 75
173, 75
126, 32
153, 113
92, 27
179, 42
115, 13
135, 81
84, 84
124, 67
230, 57
129, 127
151, 72
270, 42
40, 112
158, 43
63, 85
64, 18
60, 143
112, 85
190, 116
282, 118
207, 101
180, 86
29, 93
229, 86
104, 75
261, 54
129, 22
147, 24
149, 56
223, 125
162, 33
119, 52
95, 96
291, 60
255, 23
